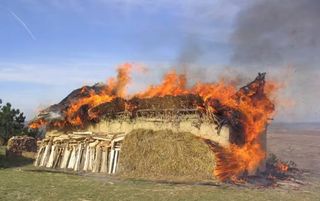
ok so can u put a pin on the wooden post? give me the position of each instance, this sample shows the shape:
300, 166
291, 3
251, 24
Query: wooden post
111, 161
46, 155
91, 158
66, 156
86, 159
72, 158
104, 162
97, 161
83, 156
39, 155
52, 156
78, 157
115, 163
92, 153
58, 157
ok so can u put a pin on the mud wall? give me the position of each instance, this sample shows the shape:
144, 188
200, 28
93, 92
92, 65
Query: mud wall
199, 127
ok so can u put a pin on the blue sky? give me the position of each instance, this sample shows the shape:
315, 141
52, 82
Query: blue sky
120, 29
50, 47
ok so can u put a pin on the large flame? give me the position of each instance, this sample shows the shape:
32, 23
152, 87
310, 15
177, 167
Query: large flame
252, 101
116, 87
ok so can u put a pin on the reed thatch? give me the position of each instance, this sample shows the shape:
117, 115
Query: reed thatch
188, 101
109, 108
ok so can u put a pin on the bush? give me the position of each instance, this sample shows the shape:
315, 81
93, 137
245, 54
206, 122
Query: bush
12, 123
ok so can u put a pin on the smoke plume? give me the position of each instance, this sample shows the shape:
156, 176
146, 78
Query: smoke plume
273, 32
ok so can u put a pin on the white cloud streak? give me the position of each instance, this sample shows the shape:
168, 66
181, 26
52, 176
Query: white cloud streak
208, 19
23, 24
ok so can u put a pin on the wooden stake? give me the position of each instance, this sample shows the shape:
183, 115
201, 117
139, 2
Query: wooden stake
115, 161
104, 161
97, 161
58, 156
78, 157
72, 158
52, 156
46, 155
111, 161
86, 159
66, 156
39, 155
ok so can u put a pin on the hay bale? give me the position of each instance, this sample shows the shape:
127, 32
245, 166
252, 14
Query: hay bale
165, 155
19, 144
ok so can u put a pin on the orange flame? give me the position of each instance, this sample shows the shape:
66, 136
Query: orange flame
256, 110
172, 84
255, 105
37, 124
282, 167
115, 88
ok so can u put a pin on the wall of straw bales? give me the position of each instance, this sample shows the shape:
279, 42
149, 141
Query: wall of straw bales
165, 155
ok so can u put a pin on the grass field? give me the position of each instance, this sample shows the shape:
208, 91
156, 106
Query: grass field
23, 182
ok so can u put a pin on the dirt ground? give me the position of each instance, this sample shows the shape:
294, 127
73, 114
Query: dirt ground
298, 142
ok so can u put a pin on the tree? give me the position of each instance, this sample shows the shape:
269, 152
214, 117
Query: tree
11, 121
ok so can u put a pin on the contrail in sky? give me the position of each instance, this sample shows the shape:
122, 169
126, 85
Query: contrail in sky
23, 24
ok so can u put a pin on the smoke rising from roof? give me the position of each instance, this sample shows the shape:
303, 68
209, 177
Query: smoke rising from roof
273, 32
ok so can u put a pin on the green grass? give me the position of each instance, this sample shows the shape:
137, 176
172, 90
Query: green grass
17, 184
25, 183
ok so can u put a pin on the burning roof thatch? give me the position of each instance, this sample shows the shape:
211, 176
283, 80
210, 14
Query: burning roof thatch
246, 111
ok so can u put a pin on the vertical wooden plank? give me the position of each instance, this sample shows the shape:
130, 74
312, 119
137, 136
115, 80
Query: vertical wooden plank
86, 159
58, 157
97, 160
51, 157
83, 156
39, 155
92, 155
66, 156
72, 158
104, 162
115, 161
78, 157
111, 161
46, 155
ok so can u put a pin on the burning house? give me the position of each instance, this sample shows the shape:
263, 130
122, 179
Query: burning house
85, 131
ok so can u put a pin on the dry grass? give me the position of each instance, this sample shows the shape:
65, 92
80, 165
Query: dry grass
164, 155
